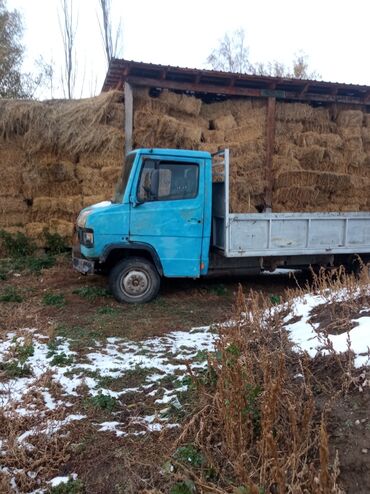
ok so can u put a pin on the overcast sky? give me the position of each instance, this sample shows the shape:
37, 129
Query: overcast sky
334, 34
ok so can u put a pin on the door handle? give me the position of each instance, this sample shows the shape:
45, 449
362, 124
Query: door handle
194, 220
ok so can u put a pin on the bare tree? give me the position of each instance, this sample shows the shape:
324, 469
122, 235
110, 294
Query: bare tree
112, 41
232, 55
68, 28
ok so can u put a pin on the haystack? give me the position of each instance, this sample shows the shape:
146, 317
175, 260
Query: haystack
59, 156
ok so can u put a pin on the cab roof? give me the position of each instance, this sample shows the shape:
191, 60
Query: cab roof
185, 153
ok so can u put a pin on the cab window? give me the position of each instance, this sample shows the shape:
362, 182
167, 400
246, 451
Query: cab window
167, 180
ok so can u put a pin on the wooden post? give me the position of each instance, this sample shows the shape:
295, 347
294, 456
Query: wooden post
129, 117
270, 144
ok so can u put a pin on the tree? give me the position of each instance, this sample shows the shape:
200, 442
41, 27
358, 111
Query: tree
232, 55
112, 43
11, 53
68, 28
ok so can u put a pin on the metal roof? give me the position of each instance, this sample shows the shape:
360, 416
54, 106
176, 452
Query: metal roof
211, 82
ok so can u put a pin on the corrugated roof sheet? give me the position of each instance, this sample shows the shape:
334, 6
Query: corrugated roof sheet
231, 84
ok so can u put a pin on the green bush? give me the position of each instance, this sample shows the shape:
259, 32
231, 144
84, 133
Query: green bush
16, 245
54, 243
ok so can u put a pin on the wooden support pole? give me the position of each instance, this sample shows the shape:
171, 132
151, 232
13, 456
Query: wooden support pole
270, 144
129, 117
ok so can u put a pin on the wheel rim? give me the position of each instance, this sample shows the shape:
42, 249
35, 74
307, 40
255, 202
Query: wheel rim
135, 283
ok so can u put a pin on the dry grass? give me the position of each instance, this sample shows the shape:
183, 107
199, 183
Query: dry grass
261, 425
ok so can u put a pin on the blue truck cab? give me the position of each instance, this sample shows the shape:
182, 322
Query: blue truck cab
157, 225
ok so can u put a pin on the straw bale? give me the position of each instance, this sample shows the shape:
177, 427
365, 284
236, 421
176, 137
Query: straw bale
111, 173
89, 200
315, 138
50, 205
246, 148
64, 228
299, 196
288, 128
367, 119
285, 163
350, 118
348, 133
245, 133
213, 136
311, 155
11, 204
13, 218
181, 102
223, 123
330, 182
36, 229
294, 111
366, 135
211, 111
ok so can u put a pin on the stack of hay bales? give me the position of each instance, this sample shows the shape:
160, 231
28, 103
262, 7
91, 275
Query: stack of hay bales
59, 156
322, 159
55, 158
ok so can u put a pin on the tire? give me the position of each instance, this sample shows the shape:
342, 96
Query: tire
134, 280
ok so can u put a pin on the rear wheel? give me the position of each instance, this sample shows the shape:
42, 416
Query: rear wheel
134, 280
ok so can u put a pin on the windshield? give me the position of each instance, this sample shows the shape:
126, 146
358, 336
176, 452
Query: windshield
122, 182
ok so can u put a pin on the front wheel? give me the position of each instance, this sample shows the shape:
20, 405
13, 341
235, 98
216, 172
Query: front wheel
134, 280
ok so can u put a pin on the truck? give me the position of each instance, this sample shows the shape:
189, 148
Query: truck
170, 217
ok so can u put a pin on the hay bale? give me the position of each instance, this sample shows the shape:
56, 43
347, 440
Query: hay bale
90, 200
213, 136
36, 230
296, 112
111, 174
63, 228
223, 123
310, 156
350, 118
10, 204
330, 182
297, 197
181, 103
51, 205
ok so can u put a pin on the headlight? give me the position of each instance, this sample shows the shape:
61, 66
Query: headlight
86, 236
82, 217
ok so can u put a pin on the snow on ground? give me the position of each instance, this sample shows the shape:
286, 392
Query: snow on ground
42, 381
154, 358
307, 336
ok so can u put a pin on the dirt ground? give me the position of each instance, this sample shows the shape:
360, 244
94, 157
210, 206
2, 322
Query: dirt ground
62, 303
86, 303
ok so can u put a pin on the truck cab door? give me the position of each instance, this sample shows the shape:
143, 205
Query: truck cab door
167, 212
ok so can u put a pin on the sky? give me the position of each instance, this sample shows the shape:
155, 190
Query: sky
334, 34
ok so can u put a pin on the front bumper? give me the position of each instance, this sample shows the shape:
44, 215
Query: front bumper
83, 266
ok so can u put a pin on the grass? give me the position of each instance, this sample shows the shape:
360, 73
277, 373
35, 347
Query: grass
102, 401
16, 245
70, 487
91, 293
11, 294
15, 369
61, 359
54, 299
